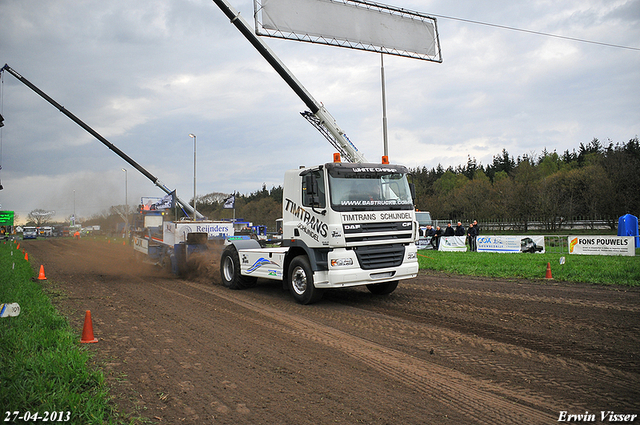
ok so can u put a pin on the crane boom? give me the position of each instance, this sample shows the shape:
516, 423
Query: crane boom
95, 134
319, 117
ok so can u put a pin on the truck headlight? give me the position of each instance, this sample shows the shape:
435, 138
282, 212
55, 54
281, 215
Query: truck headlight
341, 262
412, 256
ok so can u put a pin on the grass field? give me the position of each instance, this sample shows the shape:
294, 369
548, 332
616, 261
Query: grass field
598, 269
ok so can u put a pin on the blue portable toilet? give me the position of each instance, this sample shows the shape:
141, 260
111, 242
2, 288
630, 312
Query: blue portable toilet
628, 226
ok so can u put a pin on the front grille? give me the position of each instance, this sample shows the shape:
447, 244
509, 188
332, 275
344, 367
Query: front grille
385, 237
379, 256
387, 226
392, 231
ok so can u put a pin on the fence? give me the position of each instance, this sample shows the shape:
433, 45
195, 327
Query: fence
557, 244
535, 225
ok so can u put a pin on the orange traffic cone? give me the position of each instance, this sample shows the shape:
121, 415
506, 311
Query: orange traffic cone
548, 275
26, 256
87, 329
18, 247
41, 276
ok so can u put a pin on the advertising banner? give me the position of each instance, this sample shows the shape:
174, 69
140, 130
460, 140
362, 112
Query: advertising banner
214, 230
453, 243
602, 245
510, 244
424, 242
6, 218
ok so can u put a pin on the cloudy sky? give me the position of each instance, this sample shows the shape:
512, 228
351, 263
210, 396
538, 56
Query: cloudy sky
145, 74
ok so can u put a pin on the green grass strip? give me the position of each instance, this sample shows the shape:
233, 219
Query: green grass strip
599, 269
44, 368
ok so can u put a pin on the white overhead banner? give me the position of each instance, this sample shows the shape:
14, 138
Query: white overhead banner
602, 245
350, 23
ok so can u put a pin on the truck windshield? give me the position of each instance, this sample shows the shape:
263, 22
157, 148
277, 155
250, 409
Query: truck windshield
369, 188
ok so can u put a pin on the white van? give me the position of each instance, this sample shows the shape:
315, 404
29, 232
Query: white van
29, 233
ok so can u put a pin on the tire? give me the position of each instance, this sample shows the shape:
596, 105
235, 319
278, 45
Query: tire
382, 288
230, 270
301, 285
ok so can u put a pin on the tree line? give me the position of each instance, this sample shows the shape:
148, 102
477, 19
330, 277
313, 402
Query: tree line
595, 182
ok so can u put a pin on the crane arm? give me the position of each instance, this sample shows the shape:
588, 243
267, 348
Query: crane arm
95, 134
319, 116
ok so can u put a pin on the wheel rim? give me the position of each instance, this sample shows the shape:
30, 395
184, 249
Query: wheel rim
299, 280
228, 269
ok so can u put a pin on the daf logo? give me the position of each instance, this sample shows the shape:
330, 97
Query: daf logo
351, 226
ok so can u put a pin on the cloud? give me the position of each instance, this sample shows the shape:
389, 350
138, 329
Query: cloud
146, 74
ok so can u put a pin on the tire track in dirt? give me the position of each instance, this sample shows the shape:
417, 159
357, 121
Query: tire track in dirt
480, 401
581, 338
490, 354
534, 298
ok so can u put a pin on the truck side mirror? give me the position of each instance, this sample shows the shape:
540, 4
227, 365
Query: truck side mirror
310, 185
412, 188
311, 190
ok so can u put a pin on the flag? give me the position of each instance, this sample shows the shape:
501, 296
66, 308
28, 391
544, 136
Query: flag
230, 202
167, 202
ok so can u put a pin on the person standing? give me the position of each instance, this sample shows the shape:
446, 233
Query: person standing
472, 235
435, 240
449, 230
459, 229
428, 233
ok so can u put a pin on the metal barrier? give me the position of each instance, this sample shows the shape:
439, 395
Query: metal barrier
557, 244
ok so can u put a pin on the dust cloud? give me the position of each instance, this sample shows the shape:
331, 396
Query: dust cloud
111, 260
204, 266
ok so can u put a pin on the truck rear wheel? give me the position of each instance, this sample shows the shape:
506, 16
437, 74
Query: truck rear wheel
301, 281
230, 270
382, 288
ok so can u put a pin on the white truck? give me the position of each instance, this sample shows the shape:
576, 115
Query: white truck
344, 225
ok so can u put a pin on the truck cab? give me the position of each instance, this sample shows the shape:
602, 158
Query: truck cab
344, 225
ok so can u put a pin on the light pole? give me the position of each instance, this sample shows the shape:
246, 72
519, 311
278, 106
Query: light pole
74, 208
126, 204
194, 175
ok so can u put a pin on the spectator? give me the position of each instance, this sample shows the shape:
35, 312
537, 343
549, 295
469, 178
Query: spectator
429, 231
449, 230
472, 235
435, 240
459, 230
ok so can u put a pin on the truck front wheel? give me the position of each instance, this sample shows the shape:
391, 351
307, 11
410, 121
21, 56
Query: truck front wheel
382, 288
230, 270
301, 281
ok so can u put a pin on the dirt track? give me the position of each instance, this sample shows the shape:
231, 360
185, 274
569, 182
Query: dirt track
440, 349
